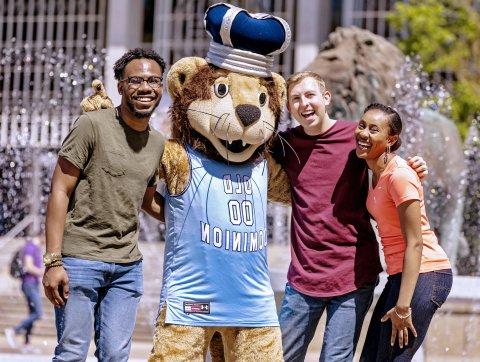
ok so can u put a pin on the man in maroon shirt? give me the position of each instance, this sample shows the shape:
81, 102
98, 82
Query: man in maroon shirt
335, 261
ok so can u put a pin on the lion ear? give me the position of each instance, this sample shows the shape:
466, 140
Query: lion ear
280, 87
181, 72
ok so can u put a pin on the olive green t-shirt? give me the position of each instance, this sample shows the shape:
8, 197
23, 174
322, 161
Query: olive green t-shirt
116, 165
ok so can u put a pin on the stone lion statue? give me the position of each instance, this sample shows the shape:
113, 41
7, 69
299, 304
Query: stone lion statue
359, 68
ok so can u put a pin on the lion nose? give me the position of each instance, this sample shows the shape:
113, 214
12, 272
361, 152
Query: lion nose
247, 113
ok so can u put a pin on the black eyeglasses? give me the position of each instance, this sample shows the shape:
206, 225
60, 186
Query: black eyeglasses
135, 81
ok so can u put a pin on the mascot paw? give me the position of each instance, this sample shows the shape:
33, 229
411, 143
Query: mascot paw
98, 100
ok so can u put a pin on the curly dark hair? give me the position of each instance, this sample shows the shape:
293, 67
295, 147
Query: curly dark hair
137, 53
394, 121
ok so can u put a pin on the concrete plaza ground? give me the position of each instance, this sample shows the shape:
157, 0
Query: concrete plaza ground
43, 347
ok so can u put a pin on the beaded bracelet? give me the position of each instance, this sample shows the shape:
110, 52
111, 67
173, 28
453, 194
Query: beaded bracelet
404, 316
54, 264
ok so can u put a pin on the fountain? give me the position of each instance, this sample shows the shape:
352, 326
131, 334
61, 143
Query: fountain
469, 258
37, 111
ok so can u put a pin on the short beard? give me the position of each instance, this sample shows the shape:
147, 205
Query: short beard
140, 114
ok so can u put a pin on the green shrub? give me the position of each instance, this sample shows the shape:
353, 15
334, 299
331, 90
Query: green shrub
445, 34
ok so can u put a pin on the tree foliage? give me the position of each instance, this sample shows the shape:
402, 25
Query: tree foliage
445, 34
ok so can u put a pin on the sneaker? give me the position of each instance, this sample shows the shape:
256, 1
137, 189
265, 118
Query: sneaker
10, 335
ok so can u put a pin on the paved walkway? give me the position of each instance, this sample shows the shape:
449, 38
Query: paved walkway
45, 346
41, 350
10, 357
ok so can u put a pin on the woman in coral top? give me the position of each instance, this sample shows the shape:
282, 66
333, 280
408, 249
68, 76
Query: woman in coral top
420, 275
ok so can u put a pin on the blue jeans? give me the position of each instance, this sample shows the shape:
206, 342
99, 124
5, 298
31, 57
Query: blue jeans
299, 318
103, 297
430, 293
31, 292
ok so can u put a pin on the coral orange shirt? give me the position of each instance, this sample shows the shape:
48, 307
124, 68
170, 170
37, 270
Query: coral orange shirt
397, 184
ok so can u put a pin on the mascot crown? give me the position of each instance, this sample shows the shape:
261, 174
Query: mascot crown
244, 42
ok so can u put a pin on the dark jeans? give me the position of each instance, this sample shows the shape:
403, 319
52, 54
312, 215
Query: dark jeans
31, 292
430, 293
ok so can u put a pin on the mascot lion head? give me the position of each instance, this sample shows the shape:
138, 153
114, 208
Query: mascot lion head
227, 115
228, 105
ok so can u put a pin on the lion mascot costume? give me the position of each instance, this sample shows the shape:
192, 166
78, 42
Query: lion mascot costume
217, 173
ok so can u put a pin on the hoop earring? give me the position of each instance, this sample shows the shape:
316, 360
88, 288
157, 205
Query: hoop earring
385, 157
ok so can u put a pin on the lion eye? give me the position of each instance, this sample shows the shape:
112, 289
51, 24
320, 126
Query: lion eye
221, 90
262, 98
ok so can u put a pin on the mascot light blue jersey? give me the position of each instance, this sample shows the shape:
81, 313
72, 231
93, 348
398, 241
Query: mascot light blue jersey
215, 271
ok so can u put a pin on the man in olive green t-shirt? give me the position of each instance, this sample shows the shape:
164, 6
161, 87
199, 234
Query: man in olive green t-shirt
106, 172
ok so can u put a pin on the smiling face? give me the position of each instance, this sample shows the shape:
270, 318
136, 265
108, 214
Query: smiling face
307, 101
140, 99
372, 135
